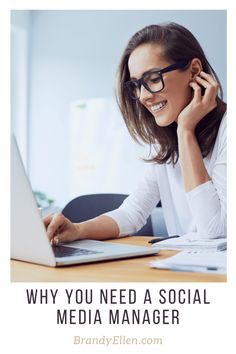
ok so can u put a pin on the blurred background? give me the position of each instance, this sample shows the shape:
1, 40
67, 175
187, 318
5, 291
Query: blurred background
63, 110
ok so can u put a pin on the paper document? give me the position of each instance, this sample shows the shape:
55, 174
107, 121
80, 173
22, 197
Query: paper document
194, 261
192, 241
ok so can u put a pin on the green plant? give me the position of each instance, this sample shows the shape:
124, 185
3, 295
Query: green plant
43, 200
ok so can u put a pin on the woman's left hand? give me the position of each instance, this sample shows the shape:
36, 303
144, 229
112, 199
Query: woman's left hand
200, 105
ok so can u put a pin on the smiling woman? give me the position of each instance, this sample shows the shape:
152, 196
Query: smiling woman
167, 92
168, 95
157, 47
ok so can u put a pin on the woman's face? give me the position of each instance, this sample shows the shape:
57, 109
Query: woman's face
176, 93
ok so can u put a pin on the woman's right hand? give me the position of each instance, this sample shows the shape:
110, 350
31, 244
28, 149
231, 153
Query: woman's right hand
60, 229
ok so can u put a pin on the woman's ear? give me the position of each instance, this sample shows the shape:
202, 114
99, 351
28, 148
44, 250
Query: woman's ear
195, 68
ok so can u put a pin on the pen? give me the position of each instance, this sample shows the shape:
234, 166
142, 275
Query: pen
198, 269
155, 240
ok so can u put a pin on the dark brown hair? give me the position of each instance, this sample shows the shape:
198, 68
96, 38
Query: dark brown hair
178, 44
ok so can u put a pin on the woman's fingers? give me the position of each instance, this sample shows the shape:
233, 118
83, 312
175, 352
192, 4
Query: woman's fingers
197, 96
47, 220
203, 82
200, 105
56, 222
209, 78
68, 232
61, 237
211, 86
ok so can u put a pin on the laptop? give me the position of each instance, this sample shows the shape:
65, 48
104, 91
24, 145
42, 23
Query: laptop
29, 241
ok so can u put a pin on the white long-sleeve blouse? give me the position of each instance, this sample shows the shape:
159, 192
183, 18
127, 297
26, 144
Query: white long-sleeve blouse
202, 210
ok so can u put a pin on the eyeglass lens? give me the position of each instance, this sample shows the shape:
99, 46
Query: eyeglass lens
152, 81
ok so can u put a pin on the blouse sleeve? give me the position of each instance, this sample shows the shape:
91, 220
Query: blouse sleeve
133, 213
207, 202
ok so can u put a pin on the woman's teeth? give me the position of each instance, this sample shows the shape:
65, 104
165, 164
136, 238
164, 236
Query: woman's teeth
158, 106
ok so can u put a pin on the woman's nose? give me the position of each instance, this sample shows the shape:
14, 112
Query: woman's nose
144, 94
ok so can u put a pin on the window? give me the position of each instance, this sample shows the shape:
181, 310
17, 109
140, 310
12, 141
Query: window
19, 88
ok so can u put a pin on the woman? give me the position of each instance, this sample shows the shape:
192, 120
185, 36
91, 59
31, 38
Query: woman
168, 95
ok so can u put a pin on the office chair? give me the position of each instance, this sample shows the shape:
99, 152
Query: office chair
86, 207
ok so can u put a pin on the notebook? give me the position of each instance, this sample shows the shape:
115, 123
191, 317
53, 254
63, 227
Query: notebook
192, 241
204, 261
29, 241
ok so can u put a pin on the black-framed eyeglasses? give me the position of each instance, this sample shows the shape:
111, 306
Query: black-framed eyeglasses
151, 80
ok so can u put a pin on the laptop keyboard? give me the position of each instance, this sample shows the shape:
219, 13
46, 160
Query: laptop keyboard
63, 251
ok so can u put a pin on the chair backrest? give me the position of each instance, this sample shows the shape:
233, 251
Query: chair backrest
89, 206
